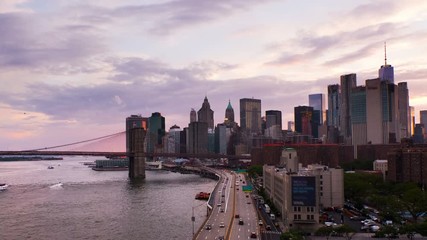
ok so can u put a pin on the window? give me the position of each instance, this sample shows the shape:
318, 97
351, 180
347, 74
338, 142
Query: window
295, 216
321, 182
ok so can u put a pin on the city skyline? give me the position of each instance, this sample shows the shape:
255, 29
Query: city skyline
74, 71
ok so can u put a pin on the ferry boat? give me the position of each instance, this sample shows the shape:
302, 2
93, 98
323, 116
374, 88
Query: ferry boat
3, 186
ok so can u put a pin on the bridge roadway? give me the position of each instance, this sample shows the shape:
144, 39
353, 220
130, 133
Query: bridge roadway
120, 154
222, 222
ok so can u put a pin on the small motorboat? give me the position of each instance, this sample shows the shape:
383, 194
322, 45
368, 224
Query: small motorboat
50, 167
3, 186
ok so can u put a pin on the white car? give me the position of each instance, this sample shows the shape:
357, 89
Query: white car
221, 225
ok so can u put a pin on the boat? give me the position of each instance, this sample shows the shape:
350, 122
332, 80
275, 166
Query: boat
50, 167
202, 196
3, 186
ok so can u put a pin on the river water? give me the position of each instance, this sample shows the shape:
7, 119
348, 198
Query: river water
72, 201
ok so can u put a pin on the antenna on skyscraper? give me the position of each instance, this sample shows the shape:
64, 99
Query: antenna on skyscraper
385, 53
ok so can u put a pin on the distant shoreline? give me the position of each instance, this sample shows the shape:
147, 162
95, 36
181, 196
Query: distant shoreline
16, 159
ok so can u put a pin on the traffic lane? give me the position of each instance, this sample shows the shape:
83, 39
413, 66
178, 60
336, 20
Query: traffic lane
248, 214
217, 221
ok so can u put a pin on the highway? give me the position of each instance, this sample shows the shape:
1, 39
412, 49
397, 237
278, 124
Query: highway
230, 201
245, 225
218, 222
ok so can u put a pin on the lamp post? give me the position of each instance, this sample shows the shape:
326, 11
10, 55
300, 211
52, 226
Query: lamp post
193, 218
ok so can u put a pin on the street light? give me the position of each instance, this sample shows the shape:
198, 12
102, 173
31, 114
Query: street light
193, 218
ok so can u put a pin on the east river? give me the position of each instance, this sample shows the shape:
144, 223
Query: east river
72, 201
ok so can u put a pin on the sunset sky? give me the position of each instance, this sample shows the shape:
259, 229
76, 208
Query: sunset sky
72, 70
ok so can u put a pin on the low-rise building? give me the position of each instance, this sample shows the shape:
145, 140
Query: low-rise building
299, 194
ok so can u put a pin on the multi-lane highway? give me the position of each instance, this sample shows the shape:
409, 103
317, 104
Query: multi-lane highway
245, 223
219, 221
234, 215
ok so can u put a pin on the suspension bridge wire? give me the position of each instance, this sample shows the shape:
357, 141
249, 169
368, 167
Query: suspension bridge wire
74, 143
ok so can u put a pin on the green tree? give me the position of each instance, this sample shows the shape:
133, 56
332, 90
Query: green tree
324, 232
254, 171
345, 231
292, 234
414, 201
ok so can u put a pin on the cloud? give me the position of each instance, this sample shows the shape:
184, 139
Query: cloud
318, 46
27, 42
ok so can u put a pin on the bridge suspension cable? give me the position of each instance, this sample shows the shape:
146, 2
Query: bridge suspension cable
75, 143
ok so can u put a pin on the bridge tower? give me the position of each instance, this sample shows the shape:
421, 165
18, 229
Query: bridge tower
135, 152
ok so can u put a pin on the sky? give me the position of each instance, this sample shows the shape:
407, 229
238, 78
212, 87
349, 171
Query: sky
72, 70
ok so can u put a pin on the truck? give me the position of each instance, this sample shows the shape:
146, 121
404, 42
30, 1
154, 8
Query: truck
267, 208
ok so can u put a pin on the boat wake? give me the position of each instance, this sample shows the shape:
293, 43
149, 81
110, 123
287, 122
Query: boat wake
56, 186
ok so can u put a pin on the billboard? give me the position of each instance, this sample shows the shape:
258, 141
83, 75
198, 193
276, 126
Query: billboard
303, 191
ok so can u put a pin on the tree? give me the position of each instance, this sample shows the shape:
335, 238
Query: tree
345, 231
324, 232
414, 201
292, 234
255, 170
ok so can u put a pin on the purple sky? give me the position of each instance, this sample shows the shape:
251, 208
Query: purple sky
74, 70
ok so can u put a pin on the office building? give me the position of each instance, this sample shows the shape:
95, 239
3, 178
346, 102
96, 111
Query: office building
250, 115
317, 101
205, 114
303, 120
134, 121
300, 194
333, 105
273, 117
348, 82
358, 116
193, 115
222, 137
156, 132
174, 139
412, 122
403, 110
423, 121
229, 114
381, 112
291, 126
197, 140
419, 133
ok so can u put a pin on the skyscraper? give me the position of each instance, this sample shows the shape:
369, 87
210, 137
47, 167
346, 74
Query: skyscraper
273, 117
381, 111
386, 71
193, 115
229, 114
197, 137
156, 131
423, 121
404, 111
317, 101
348, 82
333, 105
250, 115
303, 120
412, 123
291, 126
205, 114
358, 115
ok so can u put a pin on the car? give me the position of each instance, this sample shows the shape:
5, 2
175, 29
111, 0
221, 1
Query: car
241, 222
248, 202
221, 238
237, 216
253, 234
237, 188
208, 227
222, 210
330, 224
221, 225
375, 228
247, 196
356, 218
268, 227
219, 204
260, 222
